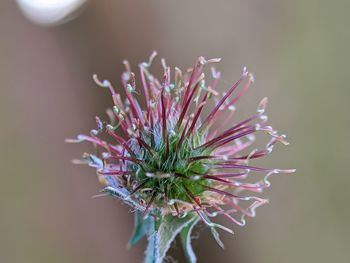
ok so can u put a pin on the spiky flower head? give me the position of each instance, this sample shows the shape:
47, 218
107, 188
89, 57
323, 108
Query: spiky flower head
174, 158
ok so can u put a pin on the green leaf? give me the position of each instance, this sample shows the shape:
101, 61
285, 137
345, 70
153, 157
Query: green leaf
141, 229
217, 237
123, 194
152, 251
213, 227
166, 229
185, 235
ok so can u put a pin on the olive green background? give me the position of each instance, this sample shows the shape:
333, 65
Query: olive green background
299, 52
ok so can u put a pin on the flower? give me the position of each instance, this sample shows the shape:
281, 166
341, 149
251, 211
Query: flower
169, 158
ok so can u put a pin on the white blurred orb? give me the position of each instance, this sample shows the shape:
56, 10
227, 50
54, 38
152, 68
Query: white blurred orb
50, 12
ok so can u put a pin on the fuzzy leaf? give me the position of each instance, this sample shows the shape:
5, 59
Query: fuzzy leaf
213, 227
185, 235
123, 194
165, 232
217, 237
141, 229
152, 251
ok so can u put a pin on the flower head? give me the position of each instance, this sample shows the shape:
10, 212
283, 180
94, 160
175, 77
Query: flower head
174, 156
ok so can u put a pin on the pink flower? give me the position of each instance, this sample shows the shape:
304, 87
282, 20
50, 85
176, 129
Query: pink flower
169, 157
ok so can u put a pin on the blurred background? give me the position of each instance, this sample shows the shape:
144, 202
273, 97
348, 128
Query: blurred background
299, 52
